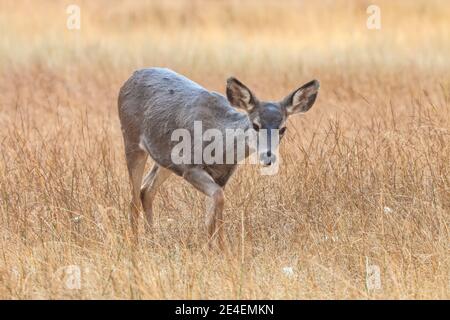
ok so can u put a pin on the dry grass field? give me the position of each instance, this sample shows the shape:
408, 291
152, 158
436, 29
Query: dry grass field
364, 185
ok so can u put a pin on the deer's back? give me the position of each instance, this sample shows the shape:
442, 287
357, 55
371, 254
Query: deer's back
154, 102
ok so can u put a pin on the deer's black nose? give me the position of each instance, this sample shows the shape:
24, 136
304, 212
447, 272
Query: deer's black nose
268, 158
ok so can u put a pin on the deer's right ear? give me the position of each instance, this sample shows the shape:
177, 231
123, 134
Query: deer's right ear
239, 95
302, 99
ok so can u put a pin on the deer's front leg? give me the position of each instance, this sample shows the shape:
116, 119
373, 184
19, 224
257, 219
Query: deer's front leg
203, 182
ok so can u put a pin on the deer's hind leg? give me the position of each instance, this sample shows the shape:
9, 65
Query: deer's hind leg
152, 181
136, 159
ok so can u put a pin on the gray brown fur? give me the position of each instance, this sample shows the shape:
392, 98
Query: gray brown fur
154, 102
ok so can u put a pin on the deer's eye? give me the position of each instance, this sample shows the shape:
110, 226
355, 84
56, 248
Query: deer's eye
255, 127
282, 131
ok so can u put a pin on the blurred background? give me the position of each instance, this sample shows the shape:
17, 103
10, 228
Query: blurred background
240, 37
364, 184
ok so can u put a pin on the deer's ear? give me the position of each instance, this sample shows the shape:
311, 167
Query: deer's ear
239, 95
302, 99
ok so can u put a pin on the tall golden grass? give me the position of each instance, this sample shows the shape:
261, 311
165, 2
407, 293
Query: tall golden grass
365, 178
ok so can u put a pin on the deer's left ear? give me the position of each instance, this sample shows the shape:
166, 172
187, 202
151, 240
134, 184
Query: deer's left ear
302, 99
240, 96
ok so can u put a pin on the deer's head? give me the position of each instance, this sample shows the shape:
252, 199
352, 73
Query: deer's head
271, 116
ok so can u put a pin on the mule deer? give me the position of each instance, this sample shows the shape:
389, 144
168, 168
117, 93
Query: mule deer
154, 102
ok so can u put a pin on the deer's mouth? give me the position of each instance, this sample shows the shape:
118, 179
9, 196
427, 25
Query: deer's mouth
267, 158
